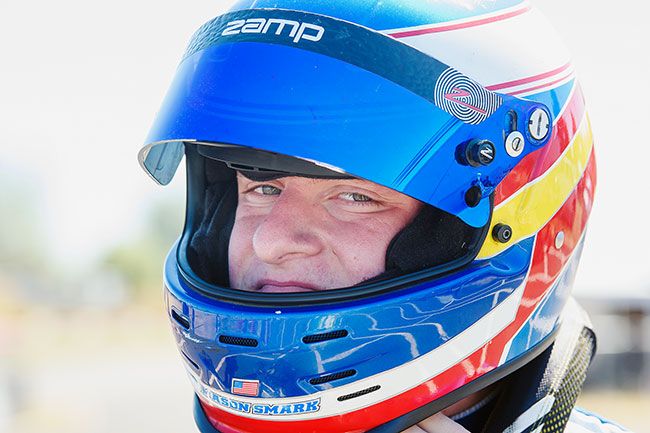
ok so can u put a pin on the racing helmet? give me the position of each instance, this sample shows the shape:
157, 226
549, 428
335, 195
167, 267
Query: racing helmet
472, 108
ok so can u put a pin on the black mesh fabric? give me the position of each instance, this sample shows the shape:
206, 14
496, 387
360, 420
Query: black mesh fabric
208, 248
434, 237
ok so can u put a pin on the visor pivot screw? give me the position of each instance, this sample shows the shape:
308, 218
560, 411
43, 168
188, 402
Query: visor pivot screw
515, 144
559, 240
502, 233
539, 124
480, 153
473, 196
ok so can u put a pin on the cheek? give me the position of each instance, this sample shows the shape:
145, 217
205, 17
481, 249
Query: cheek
361, 247
239, 249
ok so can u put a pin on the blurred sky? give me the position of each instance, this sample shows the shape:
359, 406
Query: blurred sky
80, 82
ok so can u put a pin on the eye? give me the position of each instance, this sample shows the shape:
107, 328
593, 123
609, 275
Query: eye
355, 197
267, 190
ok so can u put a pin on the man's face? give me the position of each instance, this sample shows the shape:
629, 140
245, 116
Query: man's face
296, 234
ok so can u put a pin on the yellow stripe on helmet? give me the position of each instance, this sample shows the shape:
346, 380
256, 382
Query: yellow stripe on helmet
531, 207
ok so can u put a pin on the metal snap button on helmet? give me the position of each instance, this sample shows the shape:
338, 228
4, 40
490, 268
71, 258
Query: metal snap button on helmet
473, 196
480, 153
502, 233
515, 144
539, 124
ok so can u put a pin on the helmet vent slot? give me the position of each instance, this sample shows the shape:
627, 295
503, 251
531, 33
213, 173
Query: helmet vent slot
194, 364
332, 377
317, 338
359, 393
180, 319
238, 341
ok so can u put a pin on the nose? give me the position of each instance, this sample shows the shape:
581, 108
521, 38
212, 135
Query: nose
289, 231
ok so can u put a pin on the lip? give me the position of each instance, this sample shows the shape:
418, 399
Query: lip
274, 286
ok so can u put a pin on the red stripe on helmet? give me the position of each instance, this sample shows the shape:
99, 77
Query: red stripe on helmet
528, 80
548, 260
537, 163
462, 25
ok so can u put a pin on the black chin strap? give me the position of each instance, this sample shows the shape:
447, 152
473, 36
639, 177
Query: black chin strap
540, 397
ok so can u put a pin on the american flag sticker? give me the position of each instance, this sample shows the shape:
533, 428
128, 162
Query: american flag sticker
246, 387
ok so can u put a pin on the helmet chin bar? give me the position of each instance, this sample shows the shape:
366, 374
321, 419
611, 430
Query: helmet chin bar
547, 380
412, 418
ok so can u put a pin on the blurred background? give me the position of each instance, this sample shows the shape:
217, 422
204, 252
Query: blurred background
84, 343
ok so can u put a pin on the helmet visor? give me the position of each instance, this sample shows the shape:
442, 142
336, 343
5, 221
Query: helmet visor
340, 96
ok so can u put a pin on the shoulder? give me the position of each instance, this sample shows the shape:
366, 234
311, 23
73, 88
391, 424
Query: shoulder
583, 421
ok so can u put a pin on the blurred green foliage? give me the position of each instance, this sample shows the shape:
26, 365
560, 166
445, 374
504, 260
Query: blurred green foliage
140, 261
29, 274
21, 235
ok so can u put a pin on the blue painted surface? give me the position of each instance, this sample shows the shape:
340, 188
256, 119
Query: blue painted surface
544, 318
384, 332
554, 99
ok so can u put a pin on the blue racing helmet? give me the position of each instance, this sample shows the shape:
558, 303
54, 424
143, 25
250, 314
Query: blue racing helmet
450, 104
